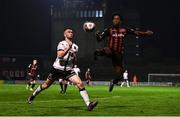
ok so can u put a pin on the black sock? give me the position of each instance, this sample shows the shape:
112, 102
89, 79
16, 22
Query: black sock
65, 88
33, 85
61, 85
82, 89
116, 80
29, 84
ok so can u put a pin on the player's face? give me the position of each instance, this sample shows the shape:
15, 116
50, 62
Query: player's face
116, 20
34, 62
68, 34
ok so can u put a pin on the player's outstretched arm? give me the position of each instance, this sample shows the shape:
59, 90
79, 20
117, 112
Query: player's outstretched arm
141, 33
62, 53
98, 35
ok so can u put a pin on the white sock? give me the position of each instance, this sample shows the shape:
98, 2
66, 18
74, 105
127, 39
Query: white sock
127, 84
37, 91
122, 84
85, 97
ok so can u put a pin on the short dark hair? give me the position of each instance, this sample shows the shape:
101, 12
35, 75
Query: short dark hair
116, 14
66, 28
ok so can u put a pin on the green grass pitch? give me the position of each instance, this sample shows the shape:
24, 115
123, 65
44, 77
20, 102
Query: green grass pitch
133, 101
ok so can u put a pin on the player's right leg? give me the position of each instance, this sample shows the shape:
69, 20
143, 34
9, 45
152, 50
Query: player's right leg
127, 83
112, 83
77, 81
28, 85
43, 86
118, 68
29, 82
33, 83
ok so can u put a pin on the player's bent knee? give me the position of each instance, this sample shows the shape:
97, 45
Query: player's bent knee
80, 85
44, 86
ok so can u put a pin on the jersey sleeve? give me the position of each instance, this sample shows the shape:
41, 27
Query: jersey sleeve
61, 46
130, 31
29, 68
75, 48
105, 33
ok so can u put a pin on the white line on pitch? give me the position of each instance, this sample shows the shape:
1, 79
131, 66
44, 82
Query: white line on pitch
22, 102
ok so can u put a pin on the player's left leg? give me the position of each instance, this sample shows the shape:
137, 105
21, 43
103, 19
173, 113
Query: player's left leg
77, 81
61, 85
42, 87
33, 83
87, 82
65, 86
122, 83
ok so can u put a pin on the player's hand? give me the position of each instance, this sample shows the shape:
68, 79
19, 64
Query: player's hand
29, 73
98, 33
148, 32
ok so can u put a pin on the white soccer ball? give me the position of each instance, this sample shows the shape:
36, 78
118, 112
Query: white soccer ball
89, 26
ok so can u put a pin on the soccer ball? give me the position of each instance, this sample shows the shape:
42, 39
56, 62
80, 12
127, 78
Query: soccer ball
89, 26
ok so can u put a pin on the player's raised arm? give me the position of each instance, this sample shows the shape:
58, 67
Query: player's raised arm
101, 35
140, 33
29, 69
62, 53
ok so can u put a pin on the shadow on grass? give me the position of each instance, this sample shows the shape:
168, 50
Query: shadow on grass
65, 107
75, 107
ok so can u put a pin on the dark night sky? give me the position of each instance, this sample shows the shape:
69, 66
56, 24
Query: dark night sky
163, 17
25, 25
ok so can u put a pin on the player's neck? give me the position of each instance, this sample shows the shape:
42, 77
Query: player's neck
68, 39
117, 26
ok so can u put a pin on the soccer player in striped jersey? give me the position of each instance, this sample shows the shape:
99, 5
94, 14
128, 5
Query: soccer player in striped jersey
115, 35
88, 76
63, 68
33, 74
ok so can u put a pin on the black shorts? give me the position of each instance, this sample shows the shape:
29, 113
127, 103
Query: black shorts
55, 74
117, 57
32, 78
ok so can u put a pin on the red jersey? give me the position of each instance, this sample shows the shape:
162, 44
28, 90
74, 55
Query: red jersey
88, 75
115, 37
33, 70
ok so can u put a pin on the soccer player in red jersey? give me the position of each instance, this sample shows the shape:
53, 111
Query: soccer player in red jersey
115, 35
33, 74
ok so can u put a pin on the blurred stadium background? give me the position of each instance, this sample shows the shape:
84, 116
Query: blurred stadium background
32, 28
